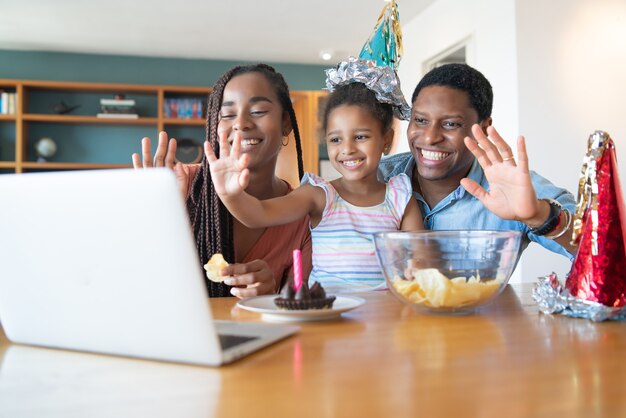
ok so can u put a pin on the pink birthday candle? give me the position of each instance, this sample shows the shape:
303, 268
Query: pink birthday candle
297, 269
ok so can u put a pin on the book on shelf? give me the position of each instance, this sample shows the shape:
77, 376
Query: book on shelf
117, 102
189, 108
118, 115
8, 103
117, 109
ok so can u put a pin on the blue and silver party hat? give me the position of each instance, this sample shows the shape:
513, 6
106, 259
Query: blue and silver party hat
384, 45
377, 63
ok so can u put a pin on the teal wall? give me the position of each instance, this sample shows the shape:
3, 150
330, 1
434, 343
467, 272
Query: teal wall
114, 144
29, 65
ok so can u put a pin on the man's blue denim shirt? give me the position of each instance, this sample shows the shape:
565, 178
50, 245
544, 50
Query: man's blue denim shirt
461, 210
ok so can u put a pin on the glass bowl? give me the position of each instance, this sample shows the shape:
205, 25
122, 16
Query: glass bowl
447, 271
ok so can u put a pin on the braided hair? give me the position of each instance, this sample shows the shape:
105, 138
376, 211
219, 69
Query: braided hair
211, 222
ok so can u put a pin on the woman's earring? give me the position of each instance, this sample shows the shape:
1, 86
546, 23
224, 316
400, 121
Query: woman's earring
387, 149
285, 143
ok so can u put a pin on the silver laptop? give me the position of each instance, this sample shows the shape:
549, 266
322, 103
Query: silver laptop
105, 261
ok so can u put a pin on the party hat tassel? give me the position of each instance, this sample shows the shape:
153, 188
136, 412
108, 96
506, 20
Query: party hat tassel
384, 45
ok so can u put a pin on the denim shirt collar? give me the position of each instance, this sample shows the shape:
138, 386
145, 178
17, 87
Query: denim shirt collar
409, 166
476, 173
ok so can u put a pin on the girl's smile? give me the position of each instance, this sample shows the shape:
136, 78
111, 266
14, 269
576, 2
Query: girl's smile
352, 164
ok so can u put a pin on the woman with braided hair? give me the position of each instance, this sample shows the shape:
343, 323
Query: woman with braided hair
253, 102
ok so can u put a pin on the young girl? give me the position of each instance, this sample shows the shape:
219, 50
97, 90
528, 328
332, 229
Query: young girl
343, 213
254, 101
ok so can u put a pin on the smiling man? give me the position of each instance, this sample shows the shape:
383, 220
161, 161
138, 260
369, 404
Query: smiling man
463, 173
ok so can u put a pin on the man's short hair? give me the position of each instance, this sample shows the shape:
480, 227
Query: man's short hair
461, 77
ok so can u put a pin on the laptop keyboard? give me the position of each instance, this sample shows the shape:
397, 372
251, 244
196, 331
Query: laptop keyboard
228, 341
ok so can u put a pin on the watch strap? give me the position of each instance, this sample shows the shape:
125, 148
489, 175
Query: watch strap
552, 221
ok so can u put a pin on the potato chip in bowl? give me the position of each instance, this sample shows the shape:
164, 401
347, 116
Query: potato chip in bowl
431, 288
447, 271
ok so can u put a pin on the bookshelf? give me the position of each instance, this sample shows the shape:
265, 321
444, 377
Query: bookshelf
86, 141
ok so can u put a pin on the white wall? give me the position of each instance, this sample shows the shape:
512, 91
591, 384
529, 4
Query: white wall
572, 70
490, 26
557, 69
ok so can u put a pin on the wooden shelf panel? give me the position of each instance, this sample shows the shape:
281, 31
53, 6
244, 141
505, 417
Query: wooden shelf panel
104, 87
7, 164
90, 87
71, 166
173, 90
195, 122
88, 119
11, 117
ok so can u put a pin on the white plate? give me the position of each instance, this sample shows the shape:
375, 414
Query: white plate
265, 306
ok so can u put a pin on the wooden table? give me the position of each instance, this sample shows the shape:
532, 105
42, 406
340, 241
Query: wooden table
380, 360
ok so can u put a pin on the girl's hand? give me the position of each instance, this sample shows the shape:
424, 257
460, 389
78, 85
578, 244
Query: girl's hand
511, 193
165, 156
250, 279
229, 172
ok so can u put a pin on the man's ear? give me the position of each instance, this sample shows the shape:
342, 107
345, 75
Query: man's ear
388, 140
485, 123
287, 127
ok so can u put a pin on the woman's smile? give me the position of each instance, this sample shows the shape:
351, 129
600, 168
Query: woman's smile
248, 143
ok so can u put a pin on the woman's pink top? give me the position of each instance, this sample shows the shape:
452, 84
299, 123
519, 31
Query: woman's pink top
275, 246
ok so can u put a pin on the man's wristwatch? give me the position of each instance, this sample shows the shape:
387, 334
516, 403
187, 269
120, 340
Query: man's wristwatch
553, 219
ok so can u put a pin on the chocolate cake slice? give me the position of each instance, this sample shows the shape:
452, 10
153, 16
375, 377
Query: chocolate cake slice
304, 298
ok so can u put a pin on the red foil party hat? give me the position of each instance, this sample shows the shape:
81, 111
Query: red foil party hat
598, 272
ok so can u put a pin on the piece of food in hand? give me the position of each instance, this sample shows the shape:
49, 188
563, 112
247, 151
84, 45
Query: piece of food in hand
431, 288
214, 266
304, 298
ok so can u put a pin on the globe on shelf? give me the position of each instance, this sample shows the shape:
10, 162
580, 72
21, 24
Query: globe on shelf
45, 148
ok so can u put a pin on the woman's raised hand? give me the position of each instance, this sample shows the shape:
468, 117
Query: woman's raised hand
229, 172
165, 156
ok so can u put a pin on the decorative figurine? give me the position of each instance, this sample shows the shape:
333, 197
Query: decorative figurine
62, 108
